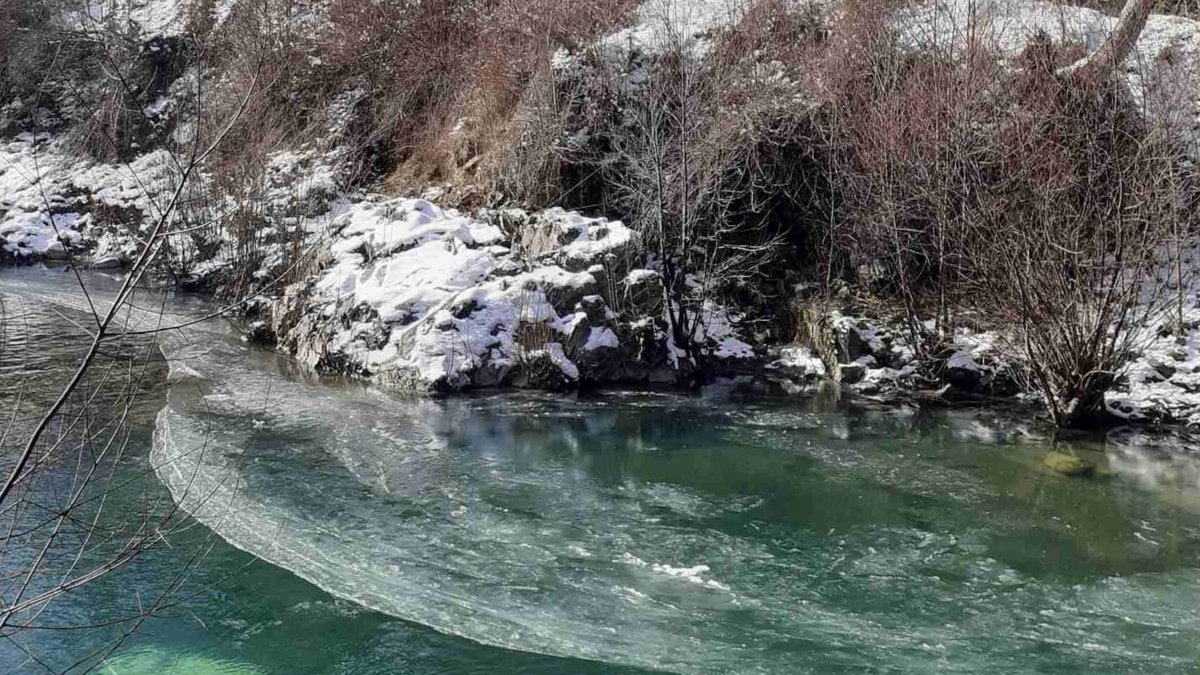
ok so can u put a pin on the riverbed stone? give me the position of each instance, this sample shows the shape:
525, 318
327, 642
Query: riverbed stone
1068, 464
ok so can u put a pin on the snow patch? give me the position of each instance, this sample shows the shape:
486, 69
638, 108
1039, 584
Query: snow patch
43, 188
602, 338
800, 359
150, 18
717, 331
662, 25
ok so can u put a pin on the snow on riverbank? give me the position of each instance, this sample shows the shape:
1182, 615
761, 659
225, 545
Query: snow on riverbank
419, 296
1161, 383
431, 298
33, 201
425, 298
49, 199
1164, 382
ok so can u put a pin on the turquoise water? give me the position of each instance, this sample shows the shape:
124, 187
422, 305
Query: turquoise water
718, 533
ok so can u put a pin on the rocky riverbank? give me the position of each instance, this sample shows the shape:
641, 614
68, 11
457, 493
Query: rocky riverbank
421, 297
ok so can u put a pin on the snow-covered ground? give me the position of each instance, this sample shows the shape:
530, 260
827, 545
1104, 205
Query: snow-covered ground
49, 200
662, 25
871, 357
1163, 381
151, 18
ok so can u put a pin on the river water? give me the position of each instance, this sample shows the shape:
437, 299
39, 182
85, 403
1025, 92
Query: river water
614, 533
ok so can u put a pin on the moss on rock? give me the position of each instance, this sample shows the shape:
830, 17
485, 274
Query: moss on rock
1068, 465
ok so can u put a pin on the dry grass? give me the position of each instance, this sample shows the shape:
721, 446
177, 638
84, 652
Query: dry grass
444, 76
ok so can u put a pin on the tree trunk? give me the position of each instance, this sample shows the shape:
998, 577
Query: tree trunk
1116, 48
1084, 408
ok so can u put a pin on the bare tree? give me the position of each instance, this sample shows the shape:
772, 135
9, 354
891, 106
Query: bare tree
674, 169
60, 531
1116, 48
1046, 208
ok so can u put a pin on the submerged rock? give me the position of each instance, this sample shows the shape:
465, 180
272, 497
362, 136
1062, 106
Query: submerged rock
1068, 465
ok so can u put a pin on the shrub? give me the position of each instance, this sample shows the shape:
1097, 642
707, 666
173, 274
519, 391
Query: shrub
1036, 203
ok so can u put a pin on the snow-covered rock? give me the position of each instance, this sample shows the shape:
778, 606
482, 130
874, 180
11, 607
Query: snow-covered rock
795, 368
876, 357
1164, 381
49, 198
431, 299
398, 267
976, 362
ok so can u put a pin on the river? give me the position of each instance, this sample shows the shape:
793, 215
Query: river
362, 532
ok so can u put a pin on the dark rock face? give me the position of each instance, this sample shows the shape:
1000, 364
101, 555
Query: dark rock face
490, 376
260, 333
307, 333
594, 307
564, 297
963, 379
984, 377
644, 293
1164, 370
851, 373
850, 344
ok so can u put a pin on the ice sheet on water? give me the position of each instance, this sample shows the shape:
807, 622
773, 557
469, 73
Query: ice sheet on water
566, 527
508, 524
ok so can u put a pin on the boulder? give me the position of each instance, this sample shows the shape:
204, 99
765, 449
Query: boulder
964, 379
489, 375
644, 292
850, 344
260, 333
108, 262
1164, 370
796, 365
851, 373
57, 251
1068, 465
594, 307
